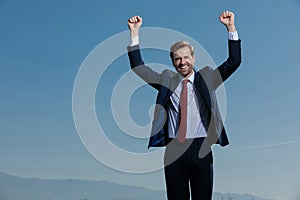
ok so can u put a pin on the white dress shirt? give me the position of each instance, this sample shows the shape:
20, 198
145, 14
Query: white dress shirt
195, 127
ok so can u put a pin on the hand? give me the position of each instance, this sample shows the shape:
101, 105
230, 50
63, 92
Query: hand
227, 18
134, 23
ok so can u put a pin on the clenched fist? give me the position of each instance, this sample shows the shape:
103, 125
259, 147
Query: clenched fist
134, 23
227, 18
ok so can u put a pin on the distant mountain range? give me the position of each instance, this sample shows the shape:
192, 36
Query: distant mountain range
17, 188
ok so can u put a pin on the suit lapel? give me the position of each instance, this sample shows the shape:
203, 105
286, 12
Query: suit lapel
202, 87
174, 82
168, 87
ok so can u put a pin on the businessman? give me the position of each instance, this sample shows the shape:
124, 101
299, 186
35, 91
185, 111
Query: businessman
186, 119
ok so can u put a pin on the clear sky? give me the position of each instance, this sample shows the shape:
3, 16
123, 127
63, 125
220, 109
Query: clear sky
43, 44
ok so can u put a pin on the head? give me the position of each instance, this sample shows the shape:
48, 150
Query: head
183, 59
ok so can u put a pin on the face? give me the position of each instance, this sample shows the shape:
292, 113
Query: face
183, 61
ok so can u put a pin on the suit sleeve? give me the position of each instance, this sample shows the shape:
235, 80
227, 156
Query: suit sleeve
233, 61
137, 64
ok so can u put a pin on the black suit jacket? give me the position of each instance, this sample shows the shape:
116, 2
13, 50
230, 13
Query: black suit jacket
207, 80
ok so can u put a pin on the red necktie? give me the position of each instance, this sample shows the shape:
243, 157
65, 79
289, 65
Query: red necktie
183, 112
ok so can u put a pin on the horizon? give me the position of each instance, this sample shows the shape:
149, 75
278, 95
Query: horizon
117, 184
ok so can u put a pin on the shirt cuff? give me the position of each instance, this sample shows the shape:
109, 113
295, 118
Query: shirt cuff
134, 41
233, 35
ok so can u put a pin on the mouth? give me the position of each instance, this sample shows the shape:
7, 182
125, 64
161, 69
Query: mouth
183, 67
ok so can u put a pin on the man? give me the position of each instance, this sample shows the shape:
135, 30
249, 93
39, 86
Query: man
186, 118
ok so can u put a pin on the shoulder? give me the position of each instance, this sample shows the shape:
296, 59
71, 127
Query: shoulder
168, 73
206, 71
211, 77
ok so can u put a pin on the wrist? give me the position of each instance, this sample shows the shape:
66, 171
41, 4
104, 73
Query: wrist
231, 28
134, 33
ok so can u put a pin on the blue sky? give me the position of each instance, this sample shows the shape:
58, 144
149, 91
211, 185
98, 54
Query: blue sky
43, 44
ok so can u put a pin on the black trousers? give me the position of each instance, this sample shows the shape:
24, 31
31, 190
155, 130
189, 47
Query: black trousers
187, 174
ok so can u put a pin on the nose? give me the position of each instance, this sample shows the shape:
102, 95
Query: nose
183, 61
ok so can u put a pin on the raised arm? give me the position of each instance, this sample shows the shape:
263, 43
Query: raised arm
136, 62
234, 46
